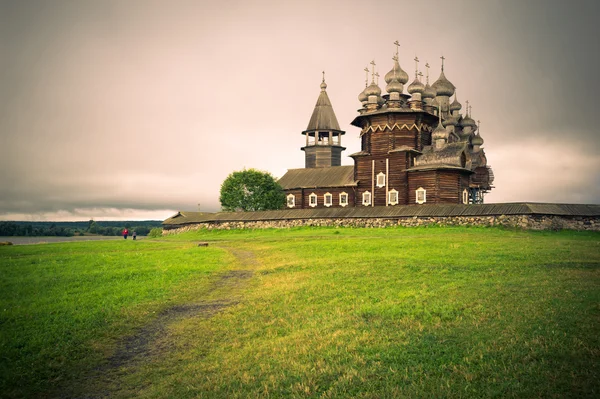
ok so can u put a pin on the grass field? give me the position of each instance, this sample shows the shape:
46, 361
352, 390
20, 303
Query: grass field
310, 312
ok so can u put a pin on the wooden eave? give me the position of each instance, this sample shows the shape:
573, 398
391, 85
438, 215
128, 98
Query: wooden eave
340, 132
405, 149
438, 167
359, 154
356, 121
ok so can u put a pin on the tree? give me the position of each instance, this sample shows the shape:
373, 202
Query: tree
251, 190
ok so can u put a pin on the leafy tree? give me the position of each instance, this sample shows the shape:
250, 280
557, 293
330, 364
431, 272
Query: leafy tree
251, 190
93, 227
155, 232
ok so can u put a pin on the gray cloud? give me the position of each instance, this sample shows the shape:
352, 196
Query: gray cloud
134, 105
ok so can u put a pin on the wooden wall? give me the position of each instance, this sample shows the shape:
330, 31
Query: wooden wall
320, 156
442, 186
302, 197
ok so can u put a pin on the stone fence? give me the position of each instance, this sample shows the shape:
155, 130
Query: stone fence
526, 222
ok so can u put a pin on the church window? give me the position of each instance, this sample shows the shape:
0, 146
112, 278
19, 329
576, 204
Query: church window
366, 197
344, 199
381, 180
312, 200
328, 199
291, 200
393, 197
465, 196
421, 195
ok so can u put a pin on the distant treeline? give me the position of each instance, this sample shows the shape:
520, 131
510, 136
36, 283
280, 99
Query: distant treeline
68, 229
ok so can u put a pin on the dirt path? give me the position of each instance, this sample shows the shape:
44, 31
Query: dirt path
144, 345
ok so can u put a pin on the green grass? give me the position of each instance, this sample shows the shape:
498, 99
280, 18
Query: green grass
63, 306
331, 313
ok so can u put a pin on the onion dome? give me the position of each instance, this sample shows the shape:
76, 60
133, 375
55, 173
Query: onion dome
362, 97
451, 120
394, 87
443, 87
372, 90
415, 87
468, 121
428, 92
455, 106
477, 140
396, 73
439, 132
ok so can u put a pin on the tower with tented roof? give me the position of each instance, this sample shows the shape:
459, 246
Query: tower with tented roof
323, 134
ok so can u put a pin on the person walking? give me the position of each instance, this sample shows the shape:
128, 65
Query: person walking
125, 233
134, 235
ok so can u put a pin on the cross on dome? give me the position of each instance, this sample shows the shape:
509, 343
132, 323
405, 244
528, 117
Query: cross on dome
373, 72
416, 66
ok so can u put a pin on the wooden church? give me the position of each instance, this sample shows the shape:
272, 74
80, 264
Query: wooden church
416, 148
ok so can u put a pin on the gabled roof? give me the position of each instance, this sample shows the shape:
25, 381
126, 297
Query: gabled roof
334, 176
184, 217
323, 117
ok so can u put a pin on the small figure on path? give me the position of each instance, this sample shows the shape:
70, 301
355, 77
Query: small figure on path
125, 233
134, 235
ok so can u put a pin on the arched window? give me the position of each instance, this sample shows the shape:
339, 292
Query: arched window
465, 196
291, 200
344, 199
421, 195
393, 197
328, 199
381, 180
366, 198
312, 200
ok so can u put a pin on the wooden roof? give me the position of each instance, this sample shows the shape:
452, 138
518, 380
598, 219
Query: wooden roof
323, 117
390, 212
450, 154
334, 176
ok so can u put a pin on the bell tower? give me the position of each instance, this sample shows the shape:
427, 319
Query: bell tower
323, 135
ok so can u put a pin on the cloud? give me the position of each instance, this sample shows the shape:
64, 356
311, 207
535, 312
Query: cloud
144, 105
542, 170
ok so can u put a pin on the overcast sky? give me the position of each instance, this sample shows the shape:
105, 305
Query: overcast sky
135, 109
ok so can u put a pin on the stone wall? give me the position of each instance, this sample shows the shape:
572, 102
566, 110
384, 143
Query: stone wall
527, 222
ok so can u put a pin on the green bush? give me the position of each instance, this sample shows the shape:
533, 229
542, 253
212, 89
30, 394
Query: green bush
155, 232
